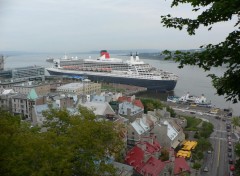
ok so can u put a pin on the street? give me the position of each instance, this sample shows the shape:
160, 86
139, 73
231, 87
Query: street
216, 162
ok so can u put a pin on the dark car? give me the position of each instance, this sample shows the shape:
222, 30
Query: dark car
230, 154
228, 134
230, 161
229, 149
232, 168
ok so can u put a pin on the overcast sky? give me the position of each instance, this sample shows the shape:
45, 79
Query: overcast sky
85, 25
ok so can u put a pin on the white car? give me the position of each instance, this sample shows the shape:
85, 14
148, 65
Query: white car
205, 169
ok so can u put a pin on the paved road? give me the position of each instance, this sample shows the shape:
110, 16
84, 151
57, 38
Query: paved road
218, 161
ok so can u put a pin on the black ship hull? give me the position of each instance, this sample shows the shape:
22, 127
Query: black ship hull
152, 85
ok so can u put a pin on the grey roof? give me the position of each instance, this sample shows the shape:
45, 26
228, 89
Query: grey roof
71, 86
128, 105
98, 98
123, 169
20, 96
99, 108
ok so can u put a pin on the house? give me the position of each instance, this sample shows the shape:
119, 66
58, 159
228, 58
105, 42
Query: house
181, 166
136, 130
80, 88
100, 109
144, 158
22, 104
40, 88
169, 133
160, 113
130, 111
5, 99
37, 112
131, 99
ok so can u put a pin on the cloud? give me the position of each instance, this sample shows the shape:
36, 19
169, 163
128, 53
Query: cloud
49, 25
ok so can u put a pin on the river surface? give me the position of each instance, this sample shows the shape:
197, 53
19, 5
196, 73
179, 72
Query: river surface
191, 78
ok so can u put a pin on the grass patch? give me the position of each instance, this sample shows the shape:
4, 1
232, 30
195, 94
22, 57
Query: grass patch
192, 123
111, 88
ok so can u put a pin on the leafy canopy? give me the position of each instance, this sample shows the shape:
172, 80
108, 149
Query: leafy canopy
72, 145
225, 53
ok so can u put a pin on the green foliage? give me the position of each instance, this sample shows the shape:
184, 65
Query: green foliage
200, 155
237, 149
237, 167
235, 122
203, 144
192, 123
172, 112
72, 145
151, 104
225, 53
164, 155
206, 129
196, 135
197, 166
112, 88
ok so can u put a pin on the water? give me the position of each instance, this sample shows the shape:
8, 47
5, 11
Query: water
191, 78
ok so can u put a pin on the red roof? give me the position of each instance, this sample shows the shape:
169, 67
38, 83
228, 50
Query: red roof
135, 158
124, 98
152, 148
136, 102
180, 165
153, 167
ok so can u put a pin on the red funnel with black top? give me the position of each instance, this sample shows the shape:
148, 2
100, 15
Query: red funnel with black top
105, 53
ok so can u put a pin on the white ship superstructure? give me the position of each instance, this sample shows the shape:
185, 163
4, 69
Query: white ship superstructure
106, 69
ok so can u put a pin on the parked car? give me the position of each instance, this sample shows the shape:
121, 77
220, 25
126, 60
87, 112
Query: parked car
205, 169
228, 134
230, 161
229, 154
232, 168
229, 149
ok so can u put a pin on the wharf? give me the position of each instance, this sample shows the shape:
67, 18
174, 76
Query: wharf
209, 111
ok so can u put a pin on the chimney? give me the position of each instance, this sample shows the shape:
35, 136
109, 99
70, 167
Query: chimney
131, 57
137, 58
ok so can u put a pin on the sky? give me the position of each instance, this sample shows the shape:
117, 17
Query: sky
86, 25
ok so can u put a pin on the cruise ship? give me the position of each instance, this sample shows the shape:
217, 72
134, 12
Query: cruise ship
114, 70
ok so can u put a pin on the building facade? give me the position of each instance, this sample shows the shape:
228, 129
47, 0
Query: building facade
80, 88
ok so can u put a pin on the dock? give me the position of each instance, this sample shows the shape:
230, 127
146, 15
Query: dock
218, 113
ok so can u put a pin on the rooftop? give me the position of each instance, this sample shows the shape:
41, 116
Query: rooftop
172, 132
72, 86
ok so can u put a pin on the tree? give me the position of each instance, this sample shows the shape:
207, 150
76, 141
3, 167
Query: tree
224, 53
237, 149
203, 144
235, 122
72, 145
197, 166
237, 163
164, 155
237, 167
